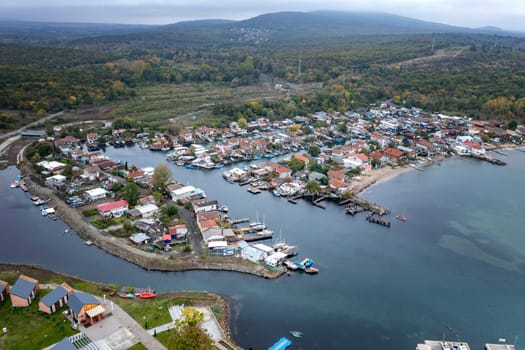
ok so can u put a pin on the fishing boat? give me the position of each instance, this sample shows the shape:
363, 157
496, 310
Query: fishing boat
147, 295
290, 265
311, 270
126, 295
307, 262
296, 334
401, 218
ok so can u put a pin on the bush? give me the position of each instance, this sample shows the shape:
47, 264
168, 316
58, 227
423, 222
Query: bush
105, 222
90, 212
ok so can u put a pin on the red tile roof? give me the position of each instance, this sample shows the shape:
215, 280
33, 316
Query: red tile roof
113, 205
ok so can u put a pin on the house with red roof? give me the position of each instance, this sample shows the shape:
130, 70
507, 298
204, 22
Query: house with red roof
178, 232
393, 154
474, 148
380, 139
281, 171
338, 175
303, 158
337, 185
114, 209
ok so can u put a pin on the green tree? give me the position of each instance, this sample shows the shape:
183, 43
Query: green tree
314, 150
45, 149
161, 176
243, 124
131, 193
296, 164
512, 125
68, 171
312, 186
170, 210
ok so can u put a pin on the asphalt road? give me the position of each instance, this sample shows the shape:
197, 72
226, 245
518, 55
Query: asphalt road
195, 237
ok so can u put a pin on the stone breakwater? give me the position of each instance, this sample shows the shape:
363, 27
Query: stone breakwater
145, 260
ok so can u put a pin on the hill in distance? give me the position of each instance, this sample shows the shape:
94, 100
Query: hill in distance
280, 27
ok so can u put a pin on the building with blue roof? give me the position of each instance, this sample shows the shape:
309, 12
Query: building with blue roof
55, 299
85, 308
23, 291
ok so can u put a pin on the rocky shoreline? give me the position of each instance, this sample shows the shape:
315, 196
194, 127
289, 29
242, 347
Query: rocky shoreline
147, 261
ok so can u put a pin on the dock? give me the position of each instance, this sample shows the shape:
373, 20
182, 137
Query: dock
239, 221
377, 220
354, 209
489, 159
254, 190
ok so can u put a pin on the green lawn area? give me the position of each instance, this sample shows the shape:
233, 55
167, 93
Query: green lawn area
138, 346
148, 313
30, 329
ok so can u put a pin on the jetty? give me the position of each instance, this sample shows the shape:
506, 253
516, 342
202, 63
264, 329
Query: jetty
254, 190
239, 221
377, 220
489, 159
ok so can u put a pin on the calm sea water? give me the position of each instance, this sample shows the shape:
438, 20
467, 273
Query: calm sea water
454, 269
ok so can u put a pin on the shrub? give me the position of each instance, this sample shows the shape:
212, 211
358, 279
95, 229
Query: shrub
90, 212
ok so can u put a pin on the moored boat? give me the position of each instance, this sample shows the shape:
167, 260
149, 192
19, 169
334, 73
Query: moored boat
311, 270
307, 262
290, 265
126, 295
296, 334
147, 295
401, 218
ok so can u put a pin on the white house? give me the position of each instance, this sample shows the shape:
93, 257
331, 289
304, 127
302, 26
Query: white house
96, 194
186, 192
115, 209
51, 167
205, 205
55, 180
146, 210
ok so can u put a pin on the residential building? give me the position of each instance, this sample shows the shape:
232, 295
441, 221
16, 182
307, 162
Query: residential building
23, 292
96, 194
54, 300
114, 209
186, 192
85, 308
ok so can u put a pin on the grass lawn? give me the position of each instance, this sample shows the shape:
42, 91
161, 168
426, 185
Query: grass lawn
138, 346
30, 329
148, 313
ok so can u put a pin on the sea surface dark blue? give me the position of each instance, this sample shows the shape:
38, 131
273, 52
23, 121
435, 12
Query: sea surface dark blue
454, 269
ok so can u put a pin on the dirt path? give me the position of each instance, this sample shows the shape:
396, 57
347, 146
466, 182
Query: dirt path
438, 55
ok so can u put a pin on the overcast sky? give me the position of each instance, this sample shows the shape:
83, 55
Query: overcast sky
506, 14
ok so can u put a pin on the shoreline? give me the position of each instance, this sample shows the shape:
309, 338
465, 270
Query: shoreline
42, 273
145, 260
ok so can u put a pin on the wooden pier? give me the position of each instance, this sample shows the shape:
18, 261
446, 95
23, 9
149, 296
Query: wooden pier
377, 220
240, 221
254, 190
489, 159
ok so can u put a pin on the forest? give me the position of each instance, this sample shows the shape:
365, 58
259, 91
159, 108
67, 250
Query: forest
472, 74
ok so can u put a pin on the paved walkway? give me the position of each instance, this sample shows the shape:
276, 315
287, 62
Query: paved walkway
119, 331
209, 322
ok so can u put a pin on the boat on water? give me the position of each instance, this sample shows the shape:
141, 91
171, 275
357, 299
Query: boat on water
307, 262
223, 209
311, 270
296, 334
15, 184
401, 218
276, 193
189, 166
88, 243
281, 344
40, 201
290, 265
289, 250
147, 295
